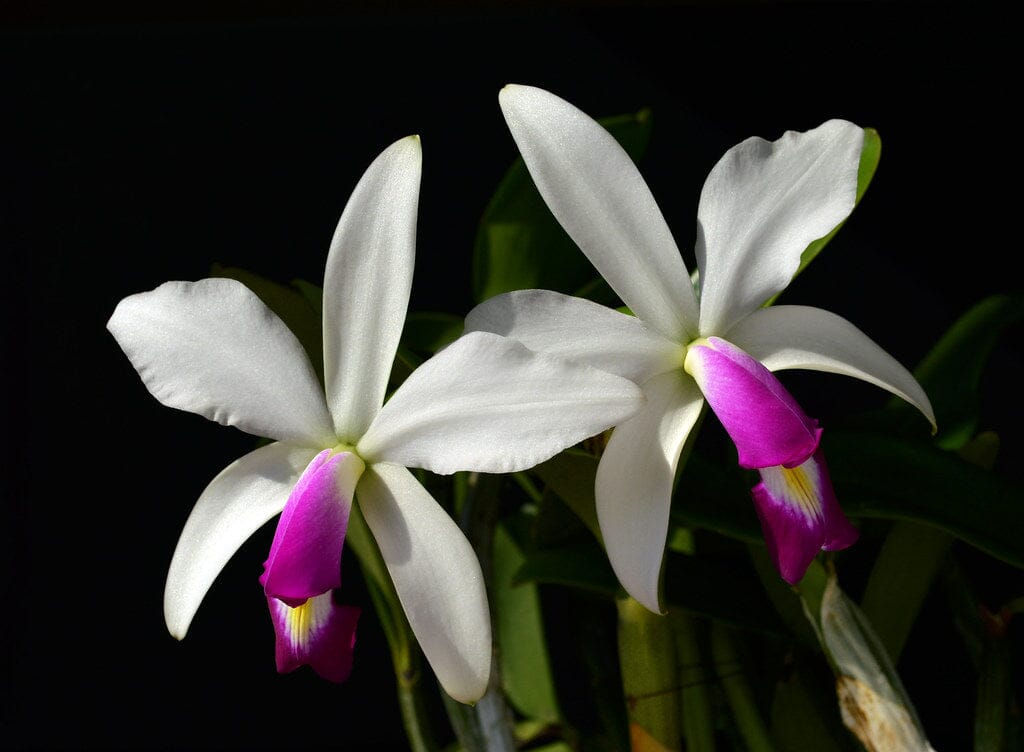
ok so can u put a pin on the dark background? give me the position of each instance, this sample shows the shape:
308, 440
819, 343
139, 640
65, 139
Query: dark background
138, 147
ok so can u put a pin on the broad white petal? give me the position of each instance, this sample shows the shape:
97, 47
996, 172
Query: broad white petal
784, 337
436, 574
242, 497
761, 206
633, 490
366, 285
212, 347
596, 192
580, 330
489, 404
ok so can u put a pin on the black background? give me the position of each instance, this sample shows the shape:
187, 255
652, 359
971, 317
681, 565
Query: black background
141, 147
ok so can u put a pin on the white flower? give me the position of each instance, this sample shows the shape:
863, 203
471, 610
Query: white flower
484, 403
761, 206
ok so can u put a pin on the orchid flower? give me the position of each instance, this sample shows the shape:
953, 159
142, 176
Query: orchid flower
761, 206
484, 403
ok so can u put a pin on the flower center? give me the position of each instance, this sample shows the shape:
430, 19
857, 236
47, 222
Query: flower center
690, 359
303, 621
798, 486
343, 447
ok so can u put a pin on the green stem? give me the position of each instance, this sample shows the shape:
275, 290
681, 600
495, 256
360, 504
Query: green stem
741, 699
990, 708
405, 651
412, 704
649, 679
698, 726
487, 725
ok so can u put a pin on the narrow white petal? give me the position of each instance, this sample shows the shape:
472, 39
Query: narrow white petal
366, 285
579, 330
596, 192
633, 491
761, 206
436, 574
212, 347
242, 497
786, 337
489, 404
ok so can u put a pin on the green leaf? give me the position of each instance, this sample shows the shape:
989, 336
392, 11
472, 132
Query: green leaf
426, 332
885, 477
805, 714
556, 524
581, 631
519, 244
571, 474
951, 373
869, 157
525, 667
724, 588
907, 564
900, 578
581, 565
710, 497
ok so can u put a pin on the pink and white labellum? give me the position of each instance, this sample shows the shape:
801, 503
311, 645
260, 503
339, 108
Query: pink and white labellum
795, 501
304, 567
800, 515
319, 633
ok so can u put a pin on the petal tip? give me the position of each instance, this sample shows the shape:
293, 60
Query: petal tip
177, 631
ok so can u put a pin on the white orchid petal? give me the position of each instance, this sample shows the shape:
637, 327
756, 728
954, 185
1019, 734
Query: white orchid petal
761, 206
212, 347
235, 504
489, 404
579, 330
633, 490
366, 285
436, 574
596, 192
787, 337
